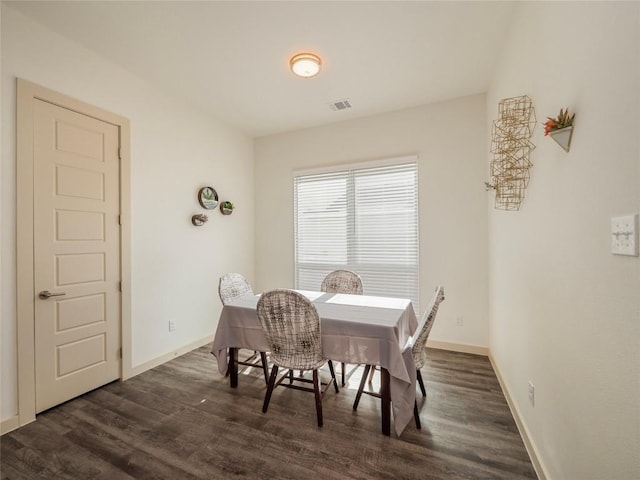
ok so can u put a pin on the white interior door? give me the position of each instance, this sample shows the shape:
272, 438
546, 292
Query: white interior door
76, 253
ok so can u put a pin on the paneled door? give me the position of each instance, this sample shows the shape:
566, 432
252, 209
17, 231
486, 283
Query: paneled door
76, 253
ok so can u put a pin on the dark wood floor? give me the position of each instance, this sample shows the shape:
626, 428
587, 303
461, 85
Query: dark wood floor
182, 421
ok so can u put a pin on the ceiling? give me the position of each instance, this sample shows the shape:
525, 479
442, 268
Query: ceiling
230, 59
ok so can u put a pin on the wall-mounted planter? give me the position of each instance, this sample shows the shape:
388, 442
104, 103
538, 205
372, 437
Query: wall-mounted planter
208, 198
199, 219
562, 137
226, 208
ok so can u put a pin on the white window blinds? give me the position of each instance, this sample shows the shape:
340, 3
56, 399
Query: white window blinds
361, 219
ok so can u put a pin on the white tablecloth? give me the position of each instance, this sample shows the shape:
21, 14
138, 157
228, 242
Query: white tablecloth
355, 329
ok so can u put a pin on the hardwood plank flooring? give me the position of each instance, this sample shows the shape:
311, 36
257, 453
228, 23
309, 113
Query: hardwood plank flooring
181, 420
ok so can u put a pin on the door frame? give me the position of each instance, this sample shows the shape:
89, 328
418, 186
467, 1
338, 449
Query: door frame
27, 92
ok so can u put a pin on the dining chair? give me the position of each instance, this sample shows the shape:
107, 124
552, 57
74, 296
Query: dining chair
230, 287
418, 346
342, 281
292, 327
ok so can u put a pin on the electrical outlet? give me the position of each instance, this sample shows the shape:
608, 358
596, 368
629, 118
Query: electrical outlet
532, 394
459, 320
624, 235
172, 326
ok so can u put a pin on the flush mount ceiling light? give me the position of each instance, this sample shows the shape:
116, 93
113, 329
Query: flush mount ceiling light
305, 65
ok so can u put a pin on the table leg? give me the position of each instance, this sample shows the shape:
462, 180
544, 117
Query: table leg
233, 367
385, 393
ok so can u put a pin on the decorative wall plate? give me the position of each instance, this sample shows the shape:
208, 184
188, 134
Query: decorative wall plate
208, 198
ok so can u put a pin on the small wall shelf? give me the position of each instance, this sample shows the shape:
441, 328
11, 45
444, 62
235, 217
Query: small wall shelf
562, 137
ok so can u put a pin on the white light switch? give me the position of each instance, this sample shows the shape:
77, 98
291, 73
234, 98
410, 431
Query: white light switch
624, 235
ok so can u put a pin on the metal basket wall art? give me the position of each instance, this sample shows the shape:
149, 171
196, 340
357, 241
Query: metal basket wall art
511, 148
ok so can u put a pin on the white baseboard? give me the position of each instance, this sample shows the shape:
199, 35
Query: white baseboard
529, 444
458, 347
9, 424
137, 370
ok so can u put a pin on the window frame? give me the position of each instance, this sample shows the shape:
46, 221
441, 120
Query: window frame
348, 169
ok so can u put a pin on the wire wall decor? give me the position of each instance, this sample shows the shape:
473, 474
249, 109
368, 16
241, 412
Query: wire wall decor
511, 148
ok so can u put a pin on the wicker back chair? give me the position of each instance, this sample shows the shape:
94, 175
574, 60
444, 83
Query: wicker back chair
233, 285
342, 281
230, 287
417, 344
292, 327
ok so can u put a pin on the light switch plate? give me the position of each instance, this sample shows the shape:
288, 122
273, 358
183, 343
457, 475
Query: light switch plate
624, 235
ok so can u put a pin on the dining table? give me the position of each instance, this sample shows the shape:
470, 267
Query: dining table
355, 329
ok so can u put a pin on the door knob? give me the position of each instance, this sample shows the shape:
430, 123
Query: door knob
46, 294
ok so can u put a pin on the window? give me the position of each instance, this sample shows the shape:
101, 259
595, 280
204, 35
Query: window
361, 219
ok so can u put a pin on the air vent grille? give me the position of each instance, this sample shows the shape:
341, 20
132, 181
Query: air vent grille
340, 105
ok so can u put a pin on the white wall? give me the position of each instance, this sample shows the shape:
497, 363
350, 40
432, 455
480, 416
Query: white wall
450, 140
565, 312
174, 151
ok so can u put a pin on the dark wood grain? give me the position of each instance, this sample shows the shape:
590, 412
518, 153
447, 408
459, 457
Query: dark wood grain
182, 421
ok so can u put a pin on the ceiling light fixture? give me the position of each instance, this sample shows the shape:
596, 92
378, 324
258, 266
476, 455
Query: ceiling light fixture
305, 65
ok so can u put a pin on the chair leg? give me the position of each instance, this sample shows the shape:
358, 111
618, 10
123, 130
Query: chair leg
421, 383
265, 367
270, 385
373, 371
361, 387
333, 375
316, 390
344, 376
416, 415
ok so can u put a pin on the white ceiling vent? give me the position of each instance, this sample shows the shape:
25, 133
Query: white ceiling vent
340, 105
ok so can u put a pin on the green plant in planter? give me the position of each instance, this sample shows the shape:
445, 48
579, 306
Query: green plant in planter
563, 120
226, 207
207, 194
